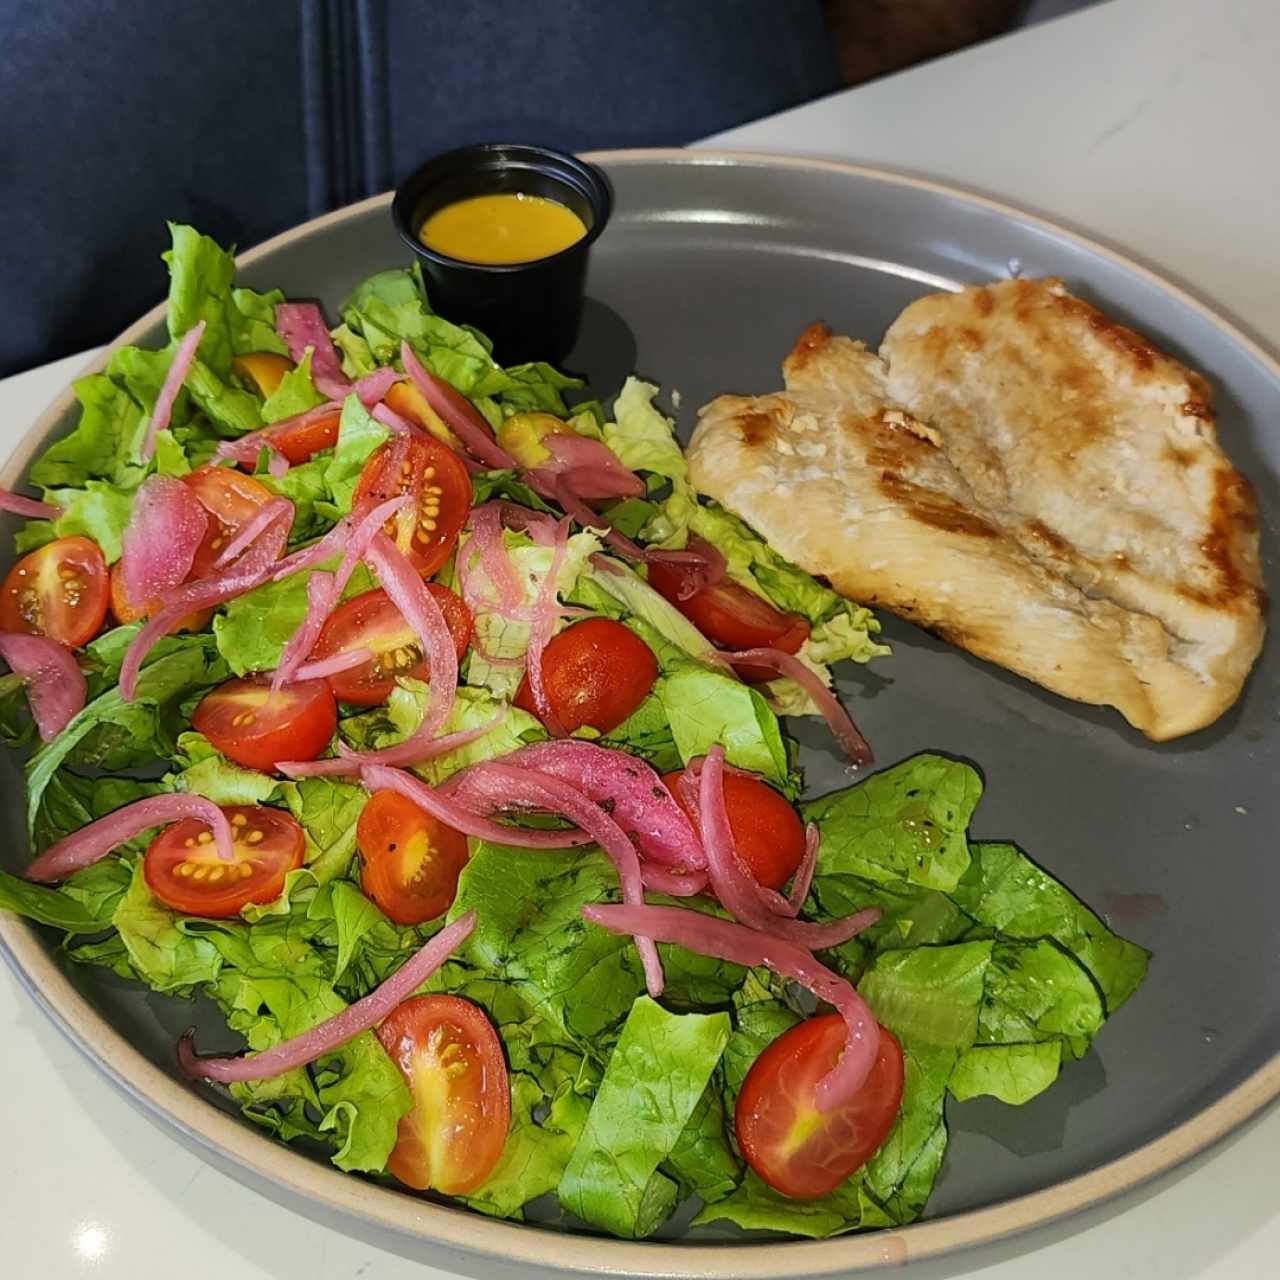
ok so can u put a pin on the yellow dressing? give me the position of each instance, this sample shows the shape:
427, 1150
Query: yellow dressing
504, 228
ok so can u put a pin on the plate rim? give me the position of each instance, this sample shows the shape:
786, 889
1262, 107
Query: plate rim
318, 1189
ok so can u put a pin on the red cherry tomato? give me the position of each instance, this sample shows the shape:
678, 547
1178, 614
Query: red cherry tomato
124, 611
428, 530
411, 860
257, 728
451, 1059
372, 621
797, 1149
767, 831
184, 871
732, 617
300, 440
231, 500
59, 590
596, 673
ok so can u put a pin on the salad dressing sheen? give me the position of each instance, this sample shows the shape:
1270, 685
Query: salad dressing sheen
500, 229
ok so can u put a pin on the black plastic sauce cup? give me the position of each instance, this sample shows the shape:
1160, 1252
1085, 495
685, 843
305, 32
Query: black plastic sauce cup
531, 310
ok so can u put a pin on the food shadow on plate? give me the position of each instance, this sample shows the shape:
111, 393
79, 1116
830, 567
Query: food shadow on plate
605, 353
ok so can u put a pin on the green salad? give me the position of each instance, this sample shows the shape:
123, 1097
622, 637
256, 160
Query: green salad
417, 712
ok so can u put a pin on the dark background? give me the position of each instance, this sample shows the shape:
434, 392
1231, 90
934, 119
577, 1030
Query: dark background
247, 116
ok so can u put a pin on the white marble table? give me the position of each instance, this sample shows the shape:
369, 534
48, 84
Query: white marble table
1147, 122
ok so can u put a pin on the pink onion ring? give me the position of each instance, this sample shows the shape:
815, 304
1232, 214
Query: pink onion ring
321, 597
541, 628
250, 571
322, 668
486, 528
28, 507
507, 785
165, 529
591, 469
348, 763
419, 609
803, 879
277, 511
173, 380
740, 893
302, 325
458, 413
84, 847
55, 684
588, 519
838, 720
440, 804
632, 793
245, 449
373, 387
396, 422
333, 1032
675, 884
710, 936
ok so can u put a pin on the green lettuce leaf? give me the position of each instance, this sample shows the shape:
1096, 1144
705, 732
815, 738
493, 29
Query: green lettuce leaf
72, 801
166, 955
101, 445
295, 394
46, 906
929, 995
210, 774
253, 629
1014, 1073
110, 733
200, 276
99, 511
702, 1161
1005, 891
359, 434
252, 322
511, 728
655, 1079
705, 707
906, 823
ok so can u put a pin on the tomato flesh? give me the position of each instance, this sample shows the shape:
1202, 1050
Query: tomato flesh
183, 869
231, 499
257, 728
596, 673
796, 1148
300, 440
732, 617
372, 621
451, 1059
59, 590
265, 369
125, 611
427, 530
767, 831
411, 860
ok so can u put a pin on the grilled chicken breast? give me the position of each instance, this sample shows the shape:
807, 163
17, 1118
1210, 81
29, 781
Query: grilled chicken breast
1022, 476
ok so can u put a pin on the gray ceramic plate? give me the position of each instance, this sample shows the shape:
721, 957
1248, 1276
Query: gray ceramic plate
712, 266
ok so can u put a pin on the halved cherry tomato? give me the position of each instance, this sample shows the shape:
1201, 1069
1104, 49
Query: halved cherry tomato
411, 860
231, 500
405, 399
123, 609
265, 369
59, 590
257, 728
596, 673
426, 531
184, 871
794, 1147
299, 440
767, 831
734, 618
372, 621
451, 1059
